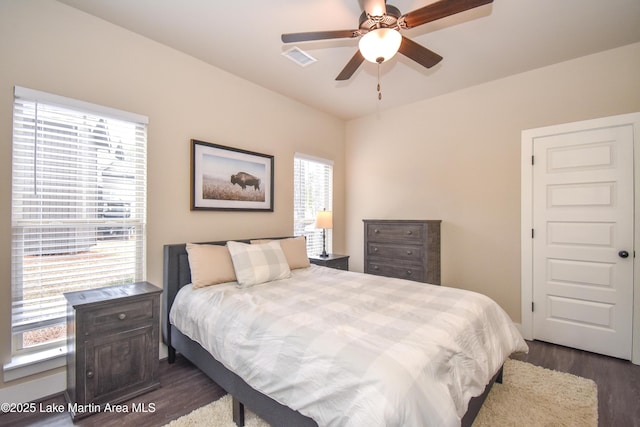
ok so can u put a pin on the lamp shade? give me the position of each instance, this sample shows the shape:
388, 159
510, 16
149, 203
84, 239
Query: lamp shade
324, 219
380, 43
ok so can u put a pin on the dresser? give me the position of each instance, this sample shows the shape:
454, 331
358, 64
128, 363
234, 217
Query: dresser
112, 345
407, 249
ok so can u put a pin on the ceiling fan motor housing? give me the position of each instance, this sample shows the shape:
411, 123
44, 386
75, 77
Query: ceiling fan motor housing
388, 20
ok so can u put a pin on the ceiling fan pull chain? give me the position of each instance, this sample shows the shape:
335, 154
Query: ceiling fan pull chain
379, 92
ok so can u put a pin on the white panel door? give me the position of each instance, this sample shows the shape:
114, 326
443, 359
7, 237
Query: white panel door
583, 239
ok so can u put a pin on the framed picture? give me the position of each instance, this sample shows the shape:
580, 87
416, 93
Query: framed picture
225, 178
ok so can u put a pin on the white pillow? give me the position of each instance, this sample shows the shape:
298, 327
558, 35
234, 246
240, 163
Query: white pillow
255, 264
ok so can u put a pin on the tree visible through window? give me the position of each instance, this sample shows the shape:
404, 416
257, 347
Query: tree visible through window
313, 192
78, 208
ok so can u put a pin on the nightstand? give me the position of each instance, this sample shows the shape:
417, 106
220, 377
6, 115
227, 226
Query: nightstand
340, 262
112, 345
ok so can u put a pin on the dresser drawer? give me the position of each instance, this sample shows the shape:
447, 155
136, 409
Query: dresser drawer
390, 232
409, 253
403, 272
114, 316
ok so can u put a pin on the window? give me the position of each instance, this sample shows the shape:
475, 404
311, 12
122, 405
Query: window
78, 208
313, 192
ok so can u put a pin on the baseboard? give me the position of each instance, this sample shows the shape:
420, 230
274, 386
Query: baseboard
518, 326
34, 390
164, 352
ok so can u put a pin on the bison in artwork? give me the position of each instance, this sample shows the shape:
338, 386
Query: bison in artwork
244, 179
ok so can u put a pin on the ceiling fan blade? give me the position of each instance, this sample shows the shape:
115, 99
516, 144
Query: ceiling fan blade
319, 35
351, 66
419, 53
374, 7
440, 9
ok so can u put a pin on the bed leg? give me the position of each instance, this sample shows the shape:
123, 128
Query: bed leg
238, 412
499, 377
171, 354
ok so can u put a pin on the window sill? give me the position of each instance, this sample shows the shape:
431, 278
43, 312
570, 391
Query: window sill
30, 364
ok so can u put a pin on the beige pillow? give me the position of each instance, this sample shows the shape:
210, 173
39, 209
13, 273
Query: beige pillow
210, 265
295, 250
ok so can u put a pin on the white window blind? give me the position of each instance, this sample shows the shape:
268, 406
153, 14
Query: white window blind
313, 192
78, 208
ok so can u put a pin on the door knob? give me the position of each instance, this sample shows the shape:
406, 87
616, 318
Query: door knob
623, 254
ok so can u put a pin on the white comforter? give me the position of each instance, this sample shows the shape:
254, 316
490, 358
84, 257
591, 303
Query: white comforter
349, 349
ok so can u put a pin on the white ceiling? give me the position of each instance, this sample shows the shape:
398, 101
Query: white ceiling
483, 44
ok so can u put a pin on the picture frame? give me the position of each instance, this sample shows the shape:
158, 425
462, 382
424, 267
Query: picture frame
226, 178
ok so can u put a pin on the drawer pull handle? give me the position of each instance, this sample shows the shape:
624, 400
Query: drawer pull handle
122, 316
375, 249
89, 374
376, 231
375, 267
409, 252
409, 232
408, 272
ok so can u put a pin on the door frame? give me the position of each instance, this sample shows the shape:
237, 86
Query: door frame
526, 213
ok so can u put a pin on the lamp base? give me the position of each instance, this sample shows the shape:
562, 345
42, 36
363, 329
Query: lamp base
324, 253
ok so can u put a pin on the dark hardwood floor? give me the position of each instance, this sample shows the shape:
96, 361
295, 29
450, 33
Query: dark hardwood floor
618, 380
184, 388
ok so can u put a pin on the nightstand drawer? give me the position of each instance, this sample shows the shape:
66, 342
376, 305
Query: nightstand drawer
113, 316
339, 262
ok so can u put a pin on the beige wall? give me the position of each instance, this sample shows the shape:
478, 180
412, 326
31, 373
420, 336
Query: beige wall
454, 158
457, 158
47, 46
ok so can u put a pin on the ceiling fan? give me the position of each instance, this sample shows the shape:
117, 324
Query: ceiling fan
379, 29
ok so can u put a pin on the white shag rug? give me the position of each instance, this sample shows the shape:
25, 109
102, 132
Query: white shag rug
530, 395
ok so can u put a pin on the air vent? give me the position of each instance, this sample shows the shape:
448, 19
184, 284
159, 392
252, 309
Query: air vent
299, 56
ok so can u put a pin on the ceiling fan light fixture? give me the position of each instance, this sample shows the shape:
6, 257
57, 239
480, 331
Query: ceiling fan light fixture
380, 45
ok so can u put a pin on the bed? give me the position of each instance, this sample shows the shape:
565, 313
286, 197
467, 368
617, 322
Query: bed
370, 368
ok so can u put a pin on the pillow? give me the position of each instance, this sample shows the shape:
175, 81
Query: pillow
255, 264
295, 250
210, 265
